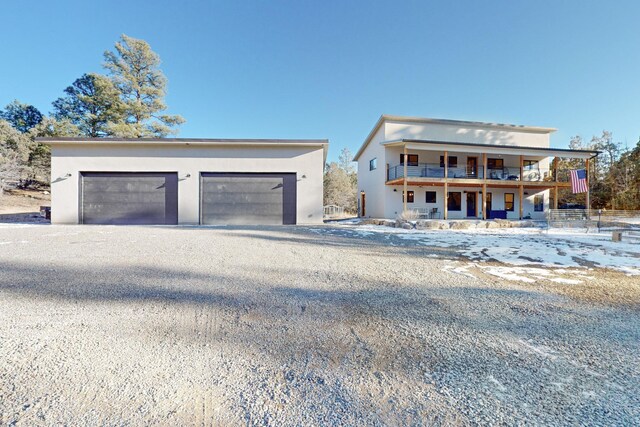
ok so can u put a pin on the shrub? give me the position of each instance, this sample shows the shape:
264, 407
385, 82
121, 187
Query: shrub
409, 215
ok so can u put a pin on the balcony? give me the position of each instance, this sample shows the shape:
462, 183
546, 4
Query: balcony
434, 170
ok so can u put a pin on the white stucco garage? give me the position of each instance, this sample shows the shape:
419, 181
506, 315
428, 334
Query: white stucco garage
186, 181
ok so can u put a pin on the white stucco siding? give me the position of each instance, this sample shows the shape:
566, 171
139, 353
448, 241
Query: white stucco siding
468, 134
306, 162
372, 183
528, 207
394, 205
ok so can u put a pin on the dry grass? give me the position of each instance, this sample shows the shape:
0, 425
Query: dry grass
409, 215
607, 287
17, 201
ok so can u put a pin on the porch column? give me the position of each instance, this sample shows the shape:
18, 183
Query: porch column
484, 200
555, 197
521, 168
446, 199
555, 169
446, 184
446, 165
521, 191
588, 202
404, 182
484, 166
484, 186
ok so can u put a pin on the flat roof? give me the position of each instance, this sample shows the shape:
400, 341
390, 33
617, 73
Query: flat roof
486, 125
179, 141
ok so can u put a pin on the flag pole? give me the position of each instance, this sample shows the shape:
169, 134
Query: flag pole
588, 202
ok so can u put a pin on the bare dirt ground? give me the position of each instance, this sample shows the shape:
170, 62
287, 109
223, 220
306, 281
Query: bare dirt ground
291, 326
23, 205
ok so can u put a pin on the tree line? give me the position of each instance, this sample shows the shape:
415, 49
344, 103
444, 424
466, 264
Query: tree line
614, 174
126, 102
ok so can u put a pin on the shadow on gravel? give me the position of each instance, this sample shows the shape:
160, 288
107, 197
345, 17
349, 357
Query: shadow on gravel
386, 333
333, 237
484, 309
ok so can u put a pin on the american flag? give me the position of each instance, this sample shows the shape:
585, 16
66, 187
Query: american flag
579, 181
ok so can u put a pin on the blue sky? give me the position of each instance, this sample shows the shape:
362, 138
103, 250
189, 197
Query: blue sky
328, 69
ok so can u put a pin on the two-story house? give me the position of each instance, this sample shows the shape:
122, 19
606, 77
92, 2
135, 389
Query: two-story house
452, 169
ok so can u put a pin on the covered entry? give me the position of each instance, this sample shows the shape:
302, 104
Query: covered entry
248, 198
128, 198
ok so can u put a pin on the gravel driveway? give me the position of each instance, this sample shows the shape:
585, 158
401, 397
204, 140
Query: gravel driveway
291, 326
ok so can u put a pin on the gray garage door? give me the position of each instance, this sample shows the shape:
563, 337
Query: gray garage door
248, 199
128, 198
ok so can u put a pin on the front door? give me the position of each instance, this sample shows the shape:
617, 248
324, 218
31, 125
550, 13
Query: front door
471, 204
472, 167
488, 205
362, 204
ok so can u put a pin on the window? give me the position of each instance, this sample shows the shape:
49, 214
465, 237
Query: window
538, 203
452, 160
412, 159
530, 165
454, 201
410, 196
508, 202
495, 164
373, 164
431, 197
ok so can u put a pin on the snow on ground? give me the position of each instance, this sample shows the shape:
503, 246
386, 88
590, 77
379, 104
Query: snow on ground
526, 247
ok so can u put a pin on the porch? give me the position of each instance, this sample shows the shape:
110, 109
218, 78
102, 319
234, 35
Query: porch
479, 168
465, 201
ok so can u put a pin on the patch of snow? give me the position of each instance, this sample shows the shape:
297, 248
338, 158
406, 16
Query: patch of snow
459, 269
508, 274
525, 246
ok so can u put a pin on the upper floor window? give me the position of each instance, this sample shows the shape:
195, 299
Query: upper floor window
530, 165
495, 164
412, 159
451, 160
373, 164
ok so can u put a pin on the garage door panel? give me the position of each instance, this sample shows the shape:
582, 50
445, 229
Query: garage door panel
124, 197
242, 184
129, 198
228, 198
246, 219
232, 197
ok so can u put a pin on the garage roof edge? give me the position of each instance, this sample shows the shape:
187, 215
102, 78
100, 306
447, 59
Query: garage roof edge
173, 141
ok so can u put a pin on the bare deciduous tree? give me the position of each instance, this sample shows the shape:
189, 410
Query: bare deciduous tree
340, 183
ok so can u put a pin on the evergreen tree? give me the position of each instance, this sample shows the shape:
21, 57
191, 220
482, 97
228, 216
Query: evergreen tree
134, 71
92, 103
21, 116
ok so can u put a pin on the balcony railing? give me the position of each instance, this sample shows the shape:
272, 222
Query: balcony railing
434, 170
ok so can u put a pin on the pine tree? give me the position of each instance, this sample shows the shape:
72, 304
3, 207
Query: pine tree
92, 103
134, 71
